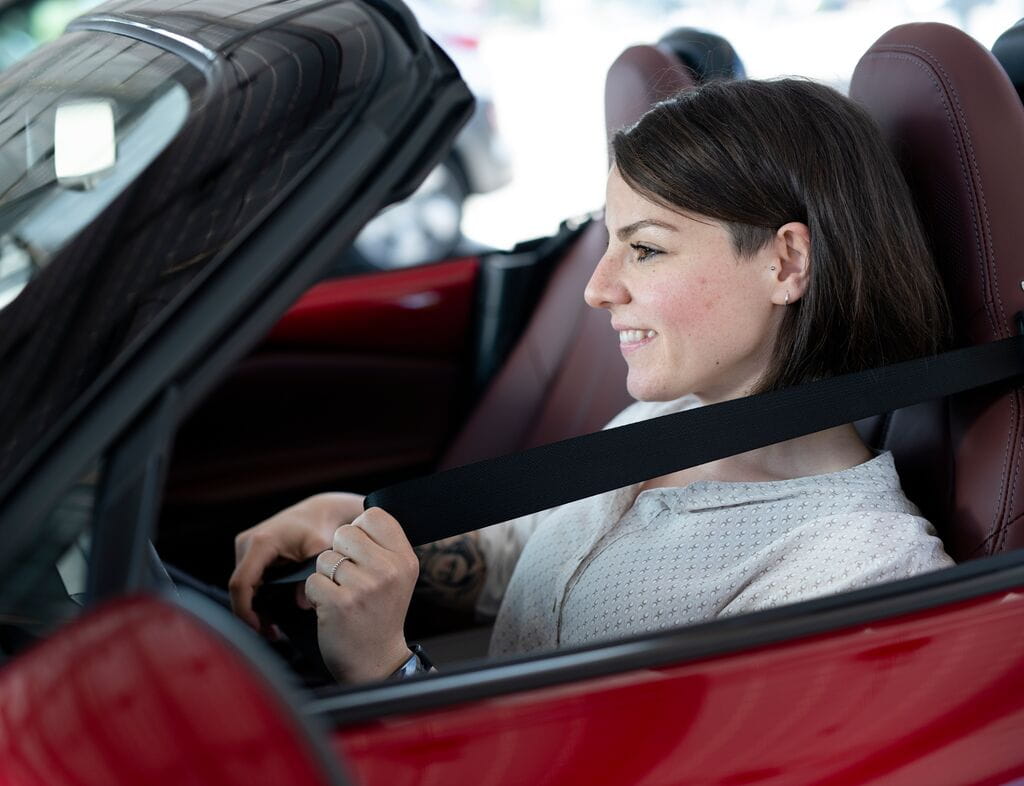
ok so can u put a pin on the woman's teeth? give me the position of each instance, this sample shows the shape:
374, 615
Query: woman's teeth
633, 336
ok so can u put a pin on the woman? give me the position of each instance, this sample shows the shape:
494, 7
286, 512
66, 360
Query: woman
760, 236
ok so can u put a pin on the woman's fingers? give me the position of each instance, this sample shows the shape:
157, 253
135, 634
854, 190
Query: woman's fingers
384, 530
295, 533
254, 553
352, 541
374, 537
361, 591
329, 562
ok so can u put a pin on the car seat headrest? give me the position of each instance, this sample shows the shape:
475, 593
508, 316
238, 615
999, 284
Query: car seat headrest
1009, 51
640, 77
707, 55
957, 127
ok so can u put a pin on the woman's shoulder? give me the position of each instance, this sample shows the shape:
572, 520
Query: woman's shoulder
860, 521
874, 545
839, 553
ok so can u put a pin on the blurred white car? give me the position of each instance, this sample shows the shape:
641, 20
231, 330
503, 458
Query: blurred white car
427, 226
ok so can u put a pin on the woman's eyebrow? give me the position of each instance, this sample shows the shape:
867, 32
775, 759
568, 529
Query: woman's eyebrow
629, 229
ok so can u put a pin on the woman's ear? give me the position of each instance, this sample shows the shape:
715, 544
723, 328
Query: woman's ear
792, 264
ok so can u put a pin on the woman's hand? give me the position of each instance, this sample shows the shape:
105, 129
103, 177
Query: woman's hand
296, 533
361, 591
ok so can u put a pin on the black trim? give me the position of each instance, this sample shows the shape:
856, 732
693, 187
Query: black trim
403, 20
128, 503
720, 637
446, 107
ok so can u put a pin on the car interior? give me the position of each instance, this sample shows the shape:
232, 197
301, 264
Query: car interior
332, 399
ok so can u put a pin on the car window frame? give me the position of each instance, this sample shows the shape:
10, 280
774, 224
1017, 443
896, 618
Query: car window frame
488, 678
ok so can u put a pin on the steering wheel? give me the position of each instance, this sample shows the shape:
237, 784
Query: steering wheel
274, 602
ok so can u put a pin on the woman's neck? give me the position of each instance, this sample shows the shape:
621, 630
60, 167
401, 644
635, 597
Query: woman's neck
826, 451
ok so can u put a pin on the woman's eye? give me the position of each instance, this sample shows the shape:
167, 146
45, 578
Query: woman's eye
644, 253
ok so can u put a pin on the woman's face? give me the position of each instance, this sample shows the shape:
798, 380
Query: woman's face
691, 315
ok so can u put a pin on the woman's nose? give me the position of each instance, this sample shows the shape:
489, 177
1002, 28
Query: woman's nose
605, 288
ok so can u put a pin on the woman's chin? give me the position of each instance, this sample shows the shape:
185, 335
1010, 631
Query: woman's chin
642, 391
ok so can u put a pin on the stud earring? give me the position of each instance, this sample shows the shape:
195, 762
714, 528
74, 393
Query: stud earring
1021, 283
787, 298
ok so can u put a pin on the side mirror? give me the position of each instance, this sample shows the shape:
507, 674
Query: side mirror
84, 143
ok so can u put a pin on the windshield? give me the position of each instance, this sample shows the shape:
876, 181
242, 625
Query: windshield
129, 173
80, 122
67, 154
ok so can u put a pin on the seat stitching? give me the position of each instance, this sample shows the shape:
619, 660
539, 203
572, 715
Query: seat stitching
947, 91
981, 545
1009, 490
1005, 529
992, 274
960, 134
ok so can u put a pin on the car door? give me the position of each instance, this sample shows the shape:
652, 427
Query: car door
142, 691
234, 149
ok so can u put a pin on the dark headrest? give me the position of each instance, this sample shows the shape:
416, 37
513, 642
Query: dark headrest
1009, 51
639, 78
957, 127
707, 55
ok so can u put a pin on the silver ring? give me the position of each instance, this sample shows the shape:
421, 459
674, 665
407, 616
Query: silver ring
334, 569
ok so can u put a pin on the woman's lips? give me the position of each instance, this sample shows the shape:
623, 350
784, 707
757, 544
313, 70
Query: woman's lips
630, 339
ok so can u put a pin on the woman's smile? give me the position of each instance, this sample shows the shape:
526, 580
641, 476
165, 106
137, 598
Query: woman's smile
633, 338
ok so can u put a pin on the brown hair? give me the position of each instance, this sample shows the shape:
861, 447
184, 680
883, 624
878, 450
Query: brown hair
755, 155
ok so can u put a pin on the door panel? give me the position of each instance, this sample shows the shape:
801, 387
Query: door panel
140, 692
421, 311
326, 398
935, 697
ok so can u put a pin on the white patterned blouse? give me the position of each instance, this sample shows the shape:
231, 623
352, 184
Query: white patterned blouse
624, 563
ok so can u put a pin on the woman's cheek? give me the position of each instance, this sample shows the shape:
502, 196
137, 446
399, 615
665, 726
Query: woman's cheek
694, 310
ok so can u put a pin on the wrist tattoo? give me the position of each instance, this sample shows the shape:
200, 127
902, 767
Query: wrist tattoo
451, 571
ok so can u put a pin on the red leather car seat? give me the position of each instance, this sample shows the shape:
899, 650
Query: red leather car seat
957, 127
566, 376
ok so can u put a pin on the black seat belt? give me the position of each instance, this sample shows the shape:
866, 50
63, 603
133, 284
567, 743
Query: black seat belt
489, 492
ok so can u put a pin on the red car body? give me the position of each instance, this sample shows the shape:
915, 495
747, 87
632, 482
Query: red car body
908, 700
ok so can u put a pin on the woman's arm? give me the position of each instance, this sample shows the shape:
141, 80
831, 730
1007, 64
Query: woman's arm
452, 572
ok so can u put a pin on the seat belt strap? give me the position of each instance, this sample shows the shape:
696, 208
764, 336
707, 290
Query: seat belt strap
488, 492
